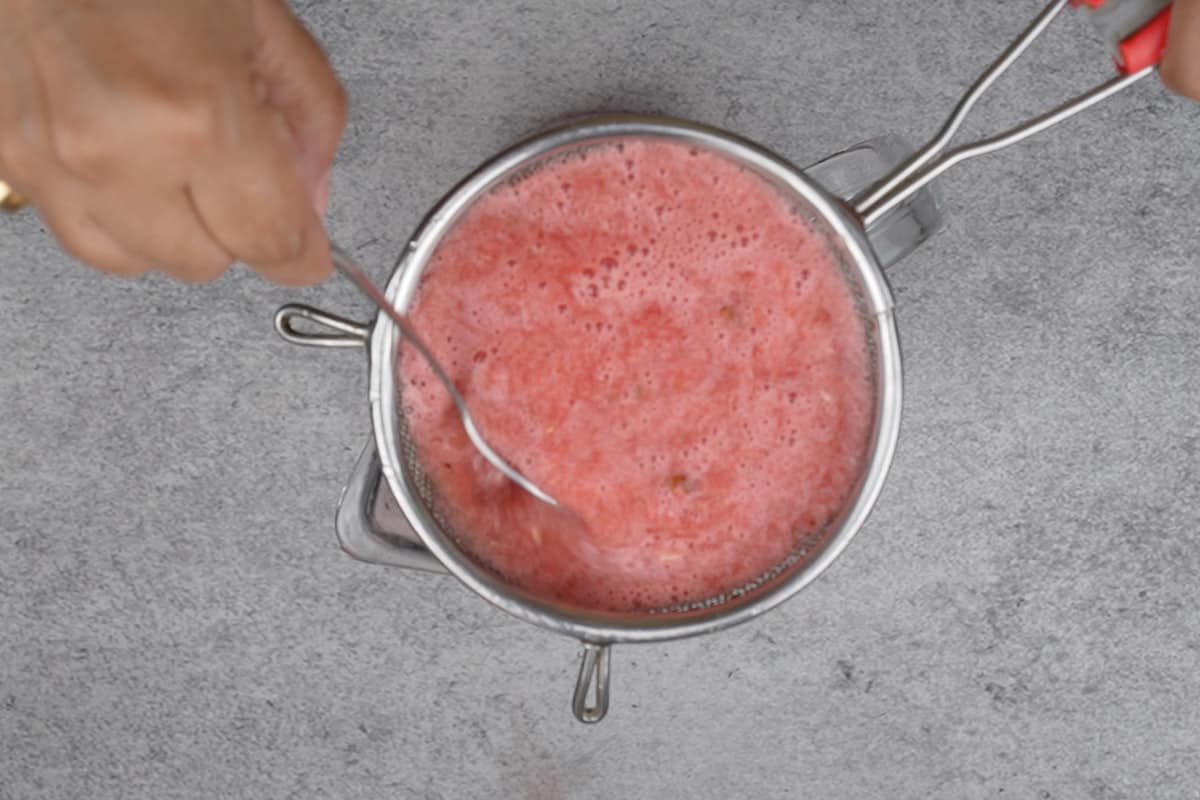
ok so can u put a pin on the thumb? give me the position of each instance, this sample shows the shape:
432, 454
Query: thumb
301, 85
1181, 65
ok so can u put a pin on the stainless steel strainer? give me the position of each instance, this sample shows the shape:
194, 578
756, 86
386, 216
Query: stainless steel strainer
864, 230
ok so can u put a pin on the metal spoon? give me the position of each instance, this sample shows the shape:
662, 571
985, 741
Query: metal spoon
348, 267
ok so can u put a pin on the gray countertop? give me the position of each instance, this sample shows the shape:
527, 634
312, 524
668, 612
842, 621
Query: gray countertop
1017, 620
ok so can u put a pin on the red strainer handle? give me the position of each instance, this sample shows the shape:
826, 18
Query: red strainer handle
1146, 45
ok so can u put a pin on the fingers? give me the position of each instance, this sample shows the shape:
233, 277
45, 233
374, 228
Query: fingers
188, 201
131, 233
166, 232
61, 201
303, 87
83, 237
126, 226
255, 202
135, 127
1181, 65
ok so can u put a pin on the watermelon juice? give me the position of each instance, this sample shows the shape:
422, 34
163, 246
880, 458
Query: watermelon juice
656, 337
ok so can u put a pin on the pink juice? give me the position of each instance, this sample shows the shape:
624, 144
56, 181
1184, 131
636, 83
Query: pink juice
655, 337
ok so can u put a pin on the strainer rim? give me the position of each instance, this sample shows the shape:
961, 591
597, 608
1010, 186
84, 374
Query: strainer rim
635, 628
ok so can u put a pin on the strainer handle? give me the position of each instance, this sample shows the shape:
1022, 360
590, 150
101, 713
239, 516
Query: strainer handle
345, 333
934, 159
594, 675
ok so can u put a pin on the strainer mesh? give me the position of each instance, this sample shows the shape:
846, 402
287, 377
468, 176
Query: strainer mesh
809, 544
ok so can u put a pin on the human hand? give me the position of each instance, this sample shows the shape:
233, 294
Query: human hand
1181, 65
174, 135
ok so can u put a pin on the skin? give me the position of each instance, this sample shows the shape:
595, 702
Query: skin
177, 135
184, 136
1181, 66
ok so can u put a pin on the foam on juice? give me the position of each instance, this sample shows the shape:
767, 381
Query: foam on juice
653, 335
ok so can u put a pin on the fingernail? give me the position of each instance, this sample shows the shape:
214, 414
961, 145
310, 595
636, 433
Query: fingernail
321, 194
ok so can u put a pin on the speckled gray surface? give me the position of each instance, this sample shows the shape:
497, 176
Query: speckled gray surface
1018, 619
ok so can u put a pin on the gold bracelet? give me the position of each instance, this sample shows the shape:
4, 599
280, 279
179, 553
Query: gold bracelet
9, 199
